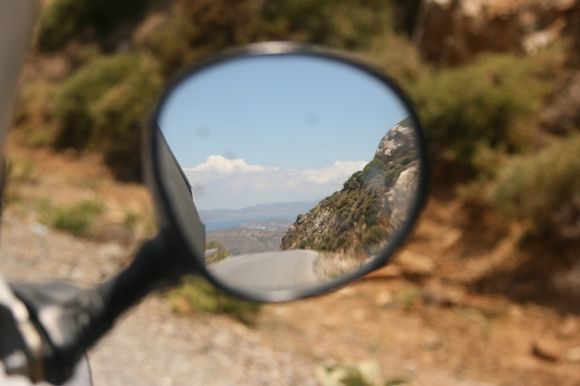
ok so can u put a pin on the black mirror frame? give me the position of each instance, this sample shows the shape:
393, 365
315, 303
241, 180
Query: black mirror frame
186, 260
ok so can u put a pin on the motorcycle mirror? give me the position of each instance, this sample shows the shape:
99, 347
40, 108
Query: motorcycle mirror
285, 171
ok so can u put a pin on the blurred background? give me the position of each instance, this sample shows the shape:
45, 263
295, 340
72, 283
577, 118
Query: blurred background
485, 292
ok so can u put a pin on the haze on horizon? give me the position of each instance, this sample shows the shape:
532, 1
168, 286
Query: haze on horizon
222, 183
275, 129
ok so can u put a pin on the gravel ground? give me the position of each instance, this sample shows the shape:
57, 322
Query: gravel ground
169, 350
150, 345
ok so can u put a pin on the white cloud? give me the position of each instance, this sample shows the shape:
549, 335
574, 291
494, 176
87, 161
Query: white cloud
223, 183
219, 164
334, 173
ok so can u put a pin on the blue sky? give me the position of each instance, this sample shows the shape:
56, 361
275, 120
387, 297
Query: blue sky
264, 119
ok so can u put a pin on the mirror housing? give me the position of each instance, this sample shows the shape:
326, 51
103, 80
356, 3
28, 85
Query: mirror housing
180, 219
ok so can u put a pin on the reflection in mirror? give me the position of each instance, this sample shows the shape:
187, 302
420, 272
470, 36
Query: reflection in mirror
302, 168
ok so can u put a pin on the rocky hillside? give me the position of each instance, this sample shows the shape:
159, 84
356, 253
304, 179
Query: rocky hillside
371, 205
456, 31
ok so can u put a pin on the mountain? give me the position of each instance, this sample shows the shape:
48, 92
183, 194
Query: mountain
285, 212
372, 204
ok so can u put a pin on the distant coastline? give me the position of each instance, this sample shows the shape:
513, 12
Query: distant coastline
280, 213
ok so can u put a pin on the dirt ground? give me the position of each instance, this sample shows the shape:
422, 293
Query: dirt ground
459, 305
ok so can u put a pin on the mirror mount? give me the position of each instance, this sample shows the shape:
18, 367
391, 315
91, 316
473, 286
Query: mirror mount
71, 319
213, 119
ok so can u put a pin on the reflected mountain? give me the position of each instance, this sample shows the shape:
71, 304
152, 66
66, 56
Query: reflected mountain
373, 203
333, 237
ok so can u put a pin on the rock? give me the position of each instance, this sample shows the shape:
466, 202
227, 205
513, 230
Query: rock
413, 264
455, 31
569, 328
359, 315
433, 342
548, 350
437, 293
384, 298
573, 355
391, 271
148, 27
562, 116
358, 220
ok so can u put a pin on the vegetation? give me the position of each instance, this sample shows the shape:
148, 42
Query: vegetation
219, 254
358, 218
483, 105
543, 189
204, 27
21, 172
79, 219
355, 374
64, 20
196, 295
105, 104
482, 118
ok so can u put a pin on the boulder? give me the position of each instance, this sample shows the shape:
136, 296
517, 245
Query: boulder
454, 31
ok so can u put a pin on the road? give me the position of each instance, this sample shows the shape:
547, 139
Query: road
277, 270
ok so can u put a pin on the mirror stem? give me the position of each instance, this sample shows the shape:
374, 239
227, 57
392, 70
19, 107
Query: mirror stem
146, 273
71, 319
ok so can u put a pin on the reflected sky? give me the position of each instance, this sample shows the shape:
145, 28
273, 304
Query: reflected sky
275, 128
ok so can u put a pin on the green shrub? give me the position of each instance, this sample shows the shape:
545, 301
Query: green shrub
198, 295
351, 25
375, 235
202, 27
33, 124
542, 188
79, 92
482, 104
105, 104
79, 219
120, 114
397, 57
64, 20
220, 252
21, 172
349, 374
131, 219
199, 28
59, 22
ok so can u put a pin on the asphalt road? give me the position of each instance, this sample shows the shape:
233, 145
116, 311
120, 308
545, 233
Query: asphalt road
279, 270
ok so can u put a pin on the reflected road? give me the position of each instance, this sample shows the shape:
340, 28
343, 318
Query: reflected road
269, 270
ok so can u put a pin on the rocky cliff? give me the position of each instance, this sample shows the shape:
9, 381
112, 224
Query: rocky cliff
372, 203
455, 31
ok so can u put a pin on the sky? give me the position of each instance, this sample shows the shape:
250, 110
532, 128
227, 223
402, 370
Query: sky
275, 129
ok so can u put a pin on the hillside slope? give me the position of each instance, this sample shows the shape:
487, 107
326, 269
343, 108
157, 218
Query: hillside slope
372, 204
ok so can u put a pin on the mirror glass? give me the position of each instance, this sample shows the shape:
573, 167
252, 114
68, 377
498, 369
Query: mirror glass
302, 168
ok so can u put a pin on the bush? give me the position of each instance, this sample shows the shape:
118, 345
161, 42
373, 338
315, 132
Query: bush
202, 27
64, 20
120, 115
58, 23
21, 172
77, 219
351, 25
105, 104
542, 189
198, 295
73, 100
482, 104
220, 252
